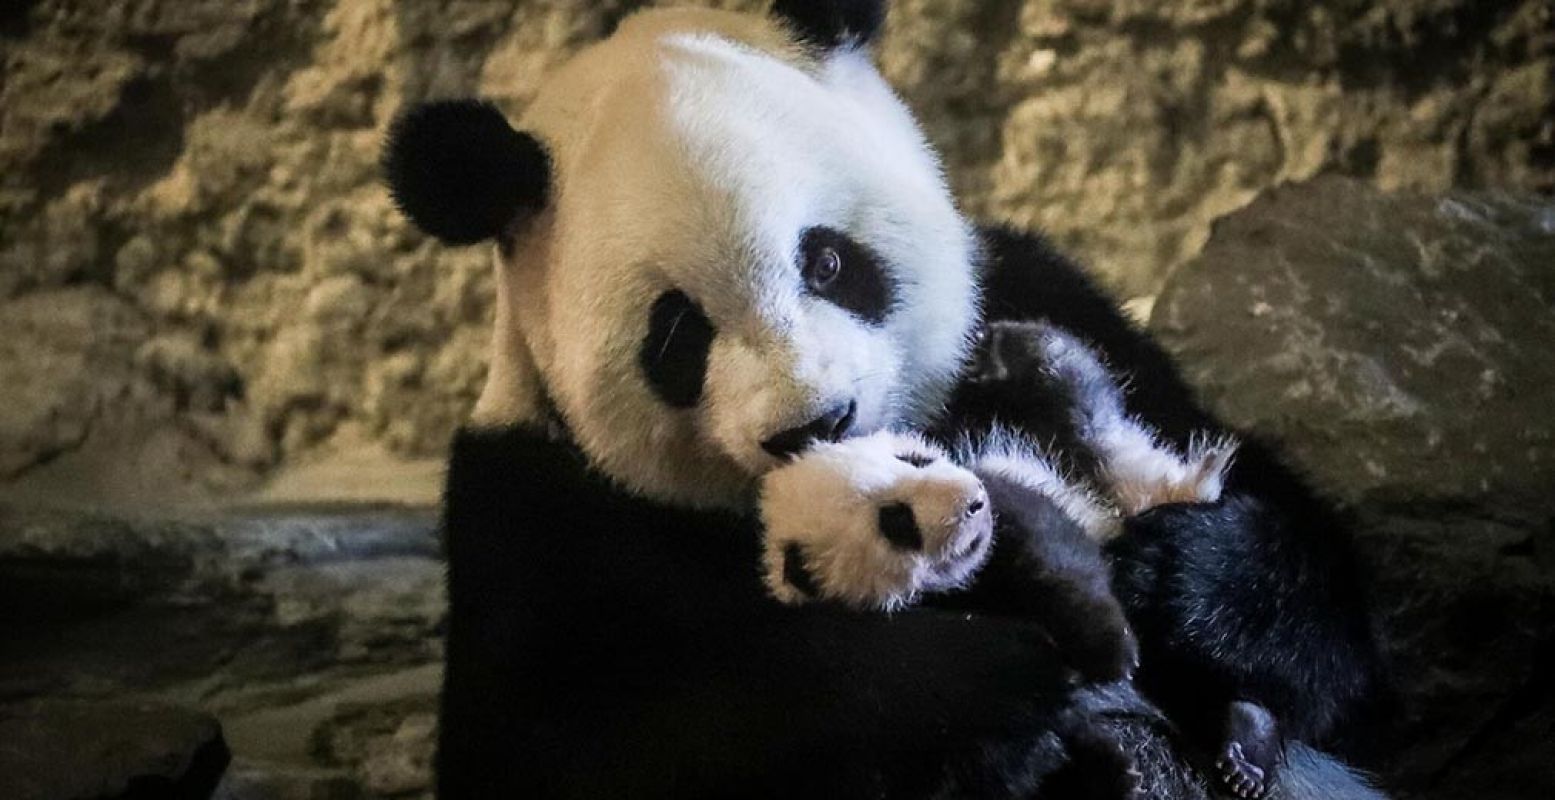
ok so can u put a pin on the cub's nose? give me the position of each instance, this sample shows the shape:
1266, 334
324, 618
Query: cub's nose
829, 427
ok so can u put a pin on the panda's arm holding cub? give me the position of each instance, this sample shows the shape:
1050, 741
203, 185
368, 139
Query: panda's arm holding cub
589, 627
879, 521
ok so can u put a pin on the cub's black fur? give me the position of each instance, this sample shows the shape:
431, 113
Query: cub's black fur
1045, 568
1256, 598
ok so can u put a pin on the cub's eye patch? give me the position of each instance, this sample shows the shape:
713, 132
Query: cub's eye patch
674, 353
796, 572
845, 273
918, 460
900, 527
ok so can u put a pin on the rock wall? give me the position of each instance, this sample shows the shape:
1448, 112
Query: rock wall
201, 277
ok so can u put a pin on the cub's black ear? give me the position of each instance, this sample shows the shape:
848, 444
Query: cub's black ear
830, 24
461, 173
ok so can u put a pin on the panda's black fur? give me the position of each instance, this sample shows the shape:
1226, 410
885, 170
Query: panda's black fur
1257, 597
462, 173
840, 23
601, 645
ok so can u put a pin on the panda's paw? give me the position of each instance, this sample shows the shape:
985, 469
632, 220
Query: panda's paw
873, 523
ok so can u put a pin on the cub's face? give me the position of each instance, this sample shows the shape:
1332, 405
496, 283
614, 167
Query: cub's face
746, 246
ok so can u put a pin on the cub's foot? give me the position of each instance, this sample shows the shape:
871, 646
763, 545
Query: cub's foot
1251, 751
872, 522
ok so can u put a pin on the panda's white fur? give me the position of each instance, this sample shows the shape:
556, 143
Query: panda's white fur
690, 150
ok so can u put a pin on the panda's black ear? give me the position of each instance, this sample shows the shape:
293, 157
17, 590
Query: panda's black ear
830, 24
461, 173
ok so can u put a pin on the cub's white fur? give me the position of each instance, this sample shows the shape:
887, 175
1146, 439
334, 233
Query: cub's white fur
691, 150
1015, 459
827, 502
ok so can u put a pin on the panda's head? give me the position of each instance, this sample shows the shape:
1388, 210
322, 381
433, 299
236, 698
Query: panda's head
720, 237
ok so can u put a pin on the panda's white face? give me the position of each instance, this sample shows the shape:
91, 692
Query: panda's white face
746, 248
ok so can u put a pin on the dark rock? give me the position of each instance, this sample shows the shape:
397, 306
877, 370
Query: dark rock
390, 745
314, 634
1399, 346
92, 600
66, 750
1395, 342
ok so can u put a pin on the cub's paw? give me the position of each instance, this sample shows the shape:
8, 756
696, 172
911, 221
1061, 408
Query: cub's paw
1251, 751
872, 522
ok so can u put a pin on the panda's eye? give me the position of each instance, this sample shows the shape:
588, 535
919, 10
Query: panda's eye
845, 273
822, 269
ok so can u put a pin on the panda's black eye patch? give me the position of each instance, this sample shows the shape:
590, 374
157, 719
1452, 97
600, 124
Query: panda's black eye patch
918, 460
844, 272
900, 527
674, 353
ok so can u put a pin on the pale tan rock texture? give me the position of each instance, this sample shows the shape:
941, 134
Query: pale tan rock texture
192, 184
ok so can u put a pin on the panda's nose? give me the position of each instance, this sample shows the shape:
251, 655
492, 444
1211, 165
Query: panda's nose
830, 427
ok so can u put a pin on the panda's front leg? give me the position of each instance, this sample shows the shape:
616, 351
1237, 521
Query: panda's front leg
872, 523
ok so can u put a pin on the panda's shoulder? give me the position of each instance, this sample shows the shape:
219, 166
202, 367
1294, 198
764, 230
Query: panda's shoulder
1024, 276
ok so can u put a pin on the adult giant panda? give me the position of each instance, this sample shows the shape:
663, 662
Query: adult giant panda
720, 238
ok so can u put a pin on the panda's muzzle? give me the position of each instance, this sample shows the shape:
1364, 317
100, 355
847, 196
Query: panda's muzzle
829, 427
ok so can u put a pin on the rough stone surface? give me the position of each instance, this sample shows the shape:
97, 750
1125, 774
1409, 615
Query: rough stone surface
1405, 340
207, 167
59, 750
1398, 345
314, 636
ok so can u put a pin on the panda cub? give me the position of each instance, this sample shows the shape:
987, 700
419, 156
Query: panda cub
878, 521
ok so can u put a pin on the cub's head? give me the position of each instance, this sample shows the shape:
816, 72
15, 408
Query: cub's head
873, 523
720, 237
